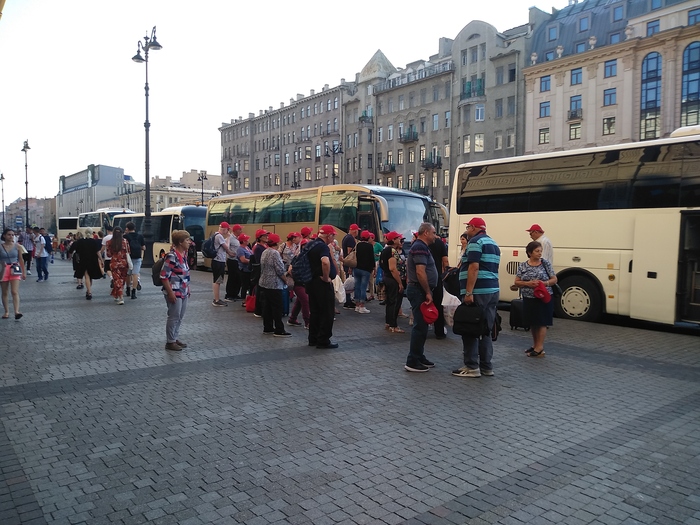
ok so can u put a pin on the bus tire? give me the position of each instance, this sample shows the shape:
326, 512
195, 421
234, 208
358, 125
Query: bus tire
580, 300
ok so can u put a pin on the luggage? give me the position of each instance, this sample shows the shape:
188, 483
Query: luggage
517, 316
469, 320
285, 301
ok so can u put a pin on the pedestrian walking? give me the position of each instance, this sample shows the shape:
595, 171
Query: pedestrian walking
13, 272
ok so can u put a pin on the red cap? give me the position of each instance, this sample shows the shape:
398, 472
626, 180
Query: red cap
430, 312
371, 235
236, 227
477, 222
391, 236
306, 231
291, 235
273, 238
243, 237
327, 229
259, 233
225, 226
541, 293
354, 227
303, 242
365, 234
535, 228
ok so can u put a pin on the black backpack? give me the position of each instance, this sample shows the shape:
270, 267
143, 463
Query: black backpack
48, 245
134, 245
470, 320
450, 280
301, 266
208, 249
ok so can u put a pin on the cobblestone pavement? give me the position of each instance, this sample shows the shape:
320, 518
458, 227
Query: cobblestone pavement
101, 425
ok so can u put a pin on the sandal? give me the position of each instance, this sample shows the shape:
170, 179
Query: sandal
88, 295
532, 353
6, 316
18, 317
531, 349
397, 330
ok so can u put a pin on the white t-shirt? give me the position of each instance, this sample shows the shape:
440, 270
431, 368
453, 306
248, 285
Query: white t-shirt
219, 241
105, 240
39, 250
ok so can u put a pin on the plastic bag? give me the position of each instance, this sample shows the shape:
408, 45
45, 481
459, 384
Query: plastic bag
339, 289
449, 305
350, 284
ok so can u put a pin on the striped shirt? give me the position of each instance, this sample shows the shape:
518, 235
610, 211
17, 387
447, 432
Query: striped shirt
483, 250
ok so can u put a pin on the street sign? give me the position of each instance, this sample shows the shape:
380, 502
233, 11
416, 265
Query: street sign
19, 221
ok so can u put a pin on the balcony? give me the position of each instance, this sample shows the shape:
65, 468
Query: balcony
409, 136
575, 114
365, 118
387, 168
415, 76
473, 91
432, 163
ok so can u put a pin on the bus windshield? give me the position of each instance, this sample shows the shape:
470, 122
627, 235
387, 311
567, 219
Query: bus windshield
406, 213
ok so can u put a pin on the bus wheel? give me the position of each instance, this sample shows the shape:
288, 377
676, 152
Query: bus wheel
580, 300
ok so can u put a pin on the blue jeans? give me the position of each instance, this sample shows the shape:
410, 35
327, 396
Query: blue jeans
479, 352
361, 282
176, 311
42, 270
420, 328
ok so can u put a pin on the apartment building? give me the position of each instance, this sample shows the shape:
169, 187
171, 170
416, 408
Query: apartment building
610, 72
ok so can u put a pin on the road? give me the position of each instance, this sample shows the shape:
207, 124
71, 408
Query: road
101, 425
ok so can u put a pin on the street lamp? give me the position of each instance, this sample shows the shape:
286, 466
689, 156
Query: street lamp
2, 183
26, 148
202, 177
332, 151
146, 46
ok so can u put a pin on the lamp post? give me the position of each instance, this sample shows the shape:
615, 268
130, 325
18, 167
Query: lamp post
2, 182
146, 46
25, 149
332, 151
202, 177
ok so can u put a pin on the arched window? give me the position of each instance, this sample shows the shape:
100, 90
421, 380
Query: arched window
690, 96
650, 114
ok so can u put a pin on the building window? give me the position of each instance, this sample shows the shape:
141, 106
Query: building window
411, 155
307, 174
575, 105
545, 83
656, 4
690, 94
464, 57
436, 122
693, 17
583, 24
609, 126
421, 153
617, 13
549, 56
318, 172
380, 132
576, 76
511, 73
474, 52
498, 141
479, 113
446, 178
511, 106
653, 27
401, 106
499, 107
467, 144
478, 142
447, 150
610, 97
544, 136
575, 131
651, 97
544, 109
551, 34
246, 183
436, 93
390, 132
610, 68
510, 138
448, 118
399, 157
580, 47
390, 105
499, 75
614, 38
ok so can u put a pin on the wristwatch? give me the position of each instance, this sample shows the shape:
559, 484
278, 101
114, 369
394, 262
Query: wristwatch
467, 294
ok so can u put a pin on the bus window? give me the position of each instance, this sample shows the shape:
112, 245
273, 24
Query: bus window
241, 212
268, 209
218, 212
338, 208
160, 226
300, 207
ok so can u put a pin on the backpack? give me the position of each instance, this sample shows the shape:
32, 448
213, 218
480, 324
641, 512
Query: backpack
48, 245
450, 280
301, 265
155, 271
208, 249
470, 320
134, 245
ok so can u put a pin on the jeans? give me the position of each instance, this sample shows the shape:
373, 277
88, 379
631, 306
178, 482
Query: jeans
479, 352
176, 311
42, 267
361, 283
420, 328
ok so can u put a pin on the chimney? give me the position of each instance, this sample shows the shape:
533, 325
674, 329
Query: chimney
300, 96
281, 105
312, 92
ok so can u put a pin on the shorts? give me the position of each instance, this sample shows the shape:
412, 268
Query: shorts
107, 263
218, 268
137, 266
7, 275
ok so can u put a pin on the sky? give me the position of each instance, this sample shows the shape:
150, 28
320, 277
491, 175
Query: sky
68, 84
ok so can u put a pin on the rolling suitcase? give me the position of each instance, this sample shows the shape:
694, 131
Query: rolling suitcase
285, 301
516, 315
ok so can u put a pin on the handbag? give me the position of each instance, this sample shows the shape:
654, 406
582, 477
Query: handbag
15, 269
129, 262
350, 260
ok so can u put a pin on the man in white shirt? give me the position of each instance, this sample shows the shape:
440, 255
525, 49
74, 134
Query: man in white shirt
537, 234
41, 255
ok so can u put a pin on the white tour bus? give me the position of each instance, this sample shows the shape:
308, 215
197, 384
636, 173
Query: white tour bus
99, 219
66, 225
624, 221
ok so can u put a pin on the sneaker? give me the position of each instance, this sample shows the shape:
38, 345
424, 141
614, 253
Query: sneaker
283, 334
40, 280
306, 327
218, 303
120, 301
138, 285
229, 299
417, 367
173, 346
426, 362
466, 372
488, 373
258, 316
28, 272
268, 333
362, 310
349, 306
292, 322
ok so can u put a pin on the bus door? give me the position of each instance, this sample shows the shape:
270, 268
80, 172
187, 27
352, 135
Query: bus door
689, 268
655, 267
370, 210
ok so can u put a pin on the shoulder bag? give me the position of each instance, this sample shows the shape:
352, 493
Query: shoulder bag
556, 289
350, 260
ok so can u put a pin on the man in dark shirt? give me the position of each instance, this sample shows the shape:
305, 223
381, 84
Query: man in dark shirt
320, 290
422, 279
348, 245
442, 262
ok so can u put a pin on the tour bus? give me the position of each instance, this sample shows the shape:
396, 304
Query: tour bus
99, 219
163, 223
624, 222
379, 209
66, 225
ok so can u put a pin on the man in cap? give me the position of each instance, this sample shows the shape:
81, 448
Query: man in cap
320, 289
233, 283
537, 234
306, 233
348, 245
218, 263
478, 283
422, 278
